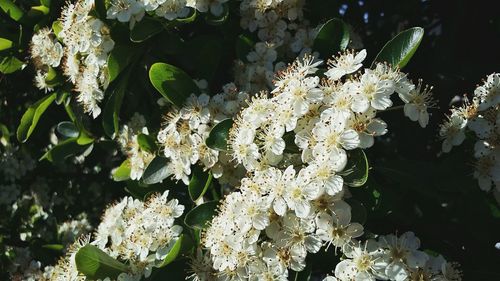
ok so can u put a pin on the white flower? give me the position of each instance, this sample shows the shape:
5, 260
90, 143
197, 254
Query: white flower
417, 101
363, 263
337, 229
46, 48
344, 64
367, 127
299, 94
489, 92
452, 131
299, 193
376, 90
126, 11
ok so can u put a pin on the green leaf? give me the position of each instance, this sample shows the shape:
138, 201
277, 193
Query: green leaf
57, 28
10, 64
54, 247
119, 58
217, 139
84, 138
355, 173
145, 29
5, 44
32, 116
68, 129
13, 11
172, 83
358, 211
156, 171
147, 143
65, 149
122, 173
38, 11
199, 183
111, 113
182, 245
399, 50
200, 216
220, 19
332, 38
96, 264
244, 45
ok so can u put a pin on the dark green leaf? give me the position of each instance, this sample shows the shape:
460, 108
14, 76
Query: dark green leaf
122, 173
220, 19
32, 116
172, 83
111, 113
65, 149
199, 183
13, 11
68, 129
332, 38
399, 50
156, 171
200, 216
10, 64
358, 211
147, 143
205, 52
145, 29
356, 171
217, 139
96, 264
118, 60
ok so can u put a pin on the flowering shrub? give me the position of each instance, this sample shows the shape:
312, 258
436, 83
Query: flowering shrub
165, 154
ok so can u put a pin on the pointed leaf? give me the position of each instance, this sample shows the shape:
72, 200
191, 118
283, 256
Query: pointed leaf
332, 38
96, 264
5, 44
145, 29
199, 183
172, 83
217, 139
13, 11
399, 50
147, 143
200, 216
10, 64
122, 173
156, 171
32, 116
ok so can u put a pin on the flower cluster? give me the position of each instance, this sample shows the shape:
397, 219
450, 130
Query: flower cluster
128, 139
140, 233
87, 43
393, 258
133, 11
481, 116
292, 203
46, 52
327, 116
183, 138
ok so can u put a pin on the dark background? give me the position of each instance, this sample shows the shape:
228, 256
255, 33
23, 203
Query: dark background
421, 189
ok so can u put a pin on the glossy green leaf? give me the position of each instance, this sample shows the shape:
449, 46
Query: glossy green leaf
68, 129
200, 216
84, 138
355, 173
172, 83
122, 173
111, 113
399, 50
10, 64
156, 171
145, 29
13, 11
332, 38
96, 264
199, 183
181, 245
244, 45
57, 28
65, 149
5, 44
217, 139
219, 19
147, 143
119, 58
32, 116
38, 11
205, 52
